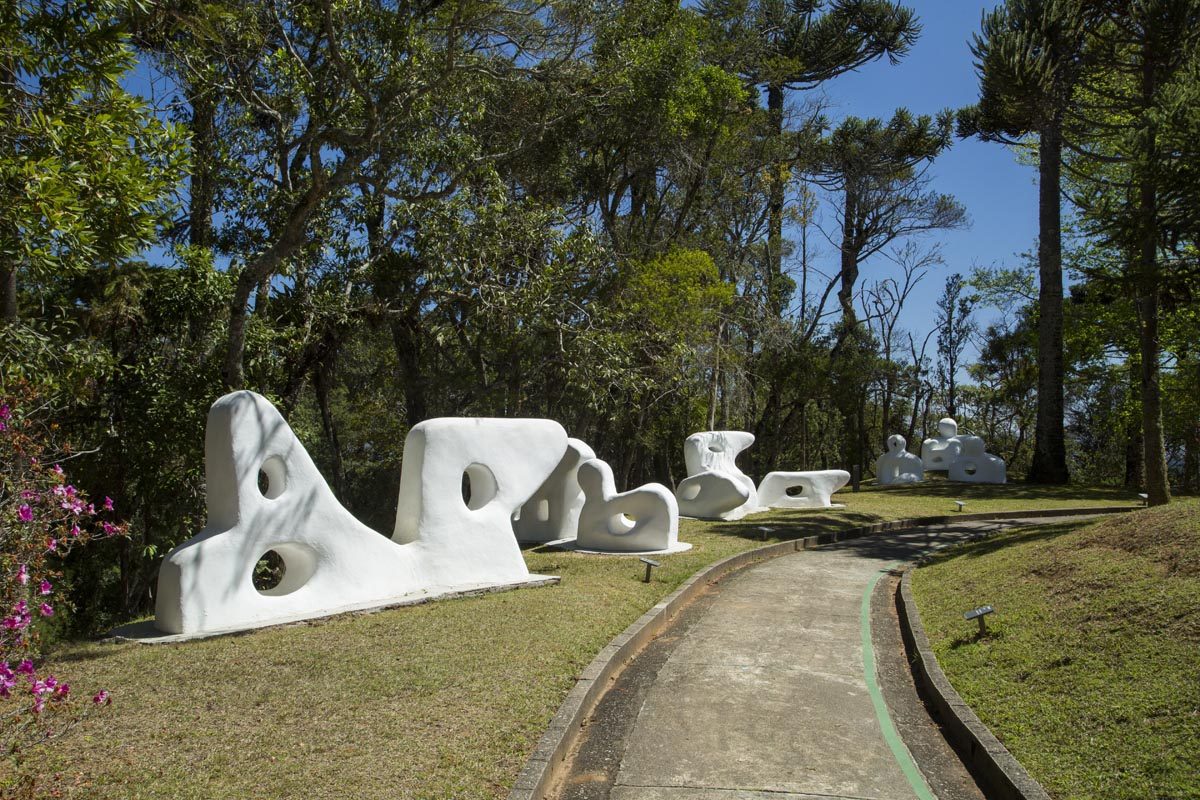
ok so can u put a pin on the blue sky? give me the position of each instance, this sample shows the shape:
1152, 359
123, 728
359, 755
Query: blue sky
1000, 195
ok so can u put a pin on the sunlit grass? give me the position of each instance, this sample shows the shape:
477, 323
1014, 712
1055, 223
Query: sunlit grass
437, 701
1091, 674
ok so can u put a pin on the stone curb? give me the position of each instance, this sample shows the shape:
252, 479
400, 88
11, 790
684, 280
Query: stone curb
541, 769
999, 772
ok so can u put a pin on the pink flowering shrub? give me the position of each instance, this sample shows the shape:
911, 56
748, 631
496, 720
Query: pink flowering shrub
42, 518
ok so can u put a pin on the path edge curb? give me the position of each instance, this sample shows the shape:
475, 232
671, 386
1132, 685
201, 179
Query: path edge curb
540, 771
1001, 776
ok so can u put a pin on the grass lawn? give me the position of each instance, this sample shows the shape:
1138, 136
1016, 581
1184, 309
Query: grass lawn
437, 701
1091, 675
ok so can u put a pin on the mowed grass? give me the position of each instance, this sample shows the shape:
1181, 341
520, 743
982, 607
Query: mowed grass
1091, 675
444, 700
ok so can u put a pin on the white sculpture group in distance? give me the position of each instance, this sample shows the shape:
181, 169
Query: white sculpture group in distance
441, 543
717, 489
963, 457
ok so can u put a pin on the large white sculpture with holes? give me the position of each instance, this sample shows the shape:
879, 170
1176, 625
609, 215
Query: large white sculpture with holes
811, 489
974, 465
938, 452
715, 487
332, 563
552, 514
642, 520
898, 466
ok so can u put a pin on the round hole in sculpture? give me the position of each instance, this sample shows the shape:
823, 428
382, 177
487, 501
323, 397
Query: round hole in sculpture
272, 477
690, 492
970, 468
715, 448
795, 491
543, 511
479, 486
284, 568
619, 524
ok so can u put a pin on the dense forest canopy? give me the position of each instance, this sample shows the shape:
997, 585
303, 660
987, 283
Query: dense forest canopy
607, 214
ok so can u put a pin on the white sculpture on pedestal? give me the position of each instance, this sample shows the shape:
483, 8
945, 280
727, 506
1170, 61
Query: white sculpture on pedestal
333, 563
974, 465
553, 511
897, 465
939, 452
812, 489
715, 488
642, 520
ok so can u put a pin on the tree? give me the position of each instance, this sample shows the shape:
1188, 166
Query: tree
954, 330
1029, 59
85, 168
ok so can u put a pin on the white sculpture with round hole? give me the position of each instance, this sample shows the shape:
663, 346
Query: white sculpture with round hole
974, 465
643, 520
552, 514
938, 452
715, 487
811, 489
898, 466
333, 563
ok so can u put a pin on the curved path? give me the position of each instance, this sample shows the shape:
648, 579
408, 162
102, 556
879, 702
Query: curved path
767, 689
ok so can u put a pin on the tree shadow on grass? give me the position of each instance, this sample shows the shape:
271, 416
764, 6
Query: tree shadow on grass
787, 527
1002, 491
976, 547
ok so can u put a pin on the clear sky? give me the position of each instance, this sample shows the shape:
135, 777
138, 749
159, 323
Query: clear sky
1000, 195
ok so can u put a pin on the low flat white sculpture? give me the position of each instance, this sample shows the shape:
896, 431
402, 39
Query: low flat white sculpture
333, 563
974, 465
897, 465
642, 520
939, 452
715, 488
553, 511
811, 489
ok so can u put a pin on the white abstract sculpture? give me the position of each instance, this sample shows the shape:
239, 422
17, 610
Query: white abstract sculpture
974, 465
642, 520
897, 465
715, 488
939, 452
333, 563
811, 489
552, 513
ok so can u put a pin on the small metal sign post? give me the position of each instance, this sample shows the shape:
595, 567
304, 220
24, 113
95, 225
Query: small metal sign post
650, 564
978, 614
960, 504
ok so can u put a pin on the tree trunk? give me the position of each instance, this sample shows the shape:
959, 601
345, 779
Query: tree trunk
8, 292
776, 302
1050, 448
322, 378
201, 184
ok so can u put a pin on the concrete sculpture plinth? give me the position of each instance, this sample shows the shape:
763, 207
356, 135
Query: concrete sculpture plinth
811, 489
715, 487
331, 562
897, 465
643, 520
552, 513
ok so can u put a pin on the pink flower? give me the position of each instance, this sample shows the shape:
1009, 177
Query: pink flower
109, 528
58, 469
25, 667
24, 513
23, 574
28, 494
102, 698
5, 411
75, 531
108, 503
52, 544
3, 427
46, 609
45, 588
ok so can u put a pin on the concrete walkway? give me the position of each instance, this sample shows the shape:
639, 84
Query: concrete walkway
769, 691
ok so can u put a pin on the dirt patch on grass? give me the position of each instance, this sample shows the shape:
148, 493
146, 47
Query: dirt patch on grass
1167, 535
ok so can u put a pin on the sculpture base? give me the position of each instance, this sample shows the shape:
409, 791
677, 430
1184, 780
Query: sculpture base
572, 546
144, 632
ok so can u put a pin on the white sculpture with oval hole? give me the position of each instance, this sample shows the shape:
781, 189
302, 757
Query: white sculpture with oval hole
812, 489
552, 513
715, 487
974, 465
333, 563
642, 520
897, 465
938, 452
